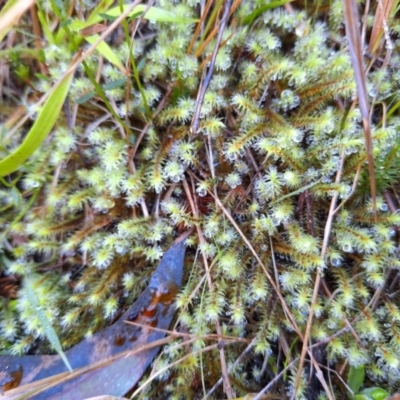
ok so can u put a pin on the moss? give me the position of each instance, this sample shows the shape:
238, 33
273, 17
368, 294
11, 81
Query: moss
277, 126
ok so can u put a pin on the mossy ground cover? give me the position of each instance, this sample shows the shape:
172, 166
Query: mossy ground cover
240, 120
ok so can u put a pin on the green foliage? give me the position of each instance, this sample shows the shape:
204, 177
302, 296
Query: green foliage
91, 213
45, 323
373, 393
45, 121
356, 378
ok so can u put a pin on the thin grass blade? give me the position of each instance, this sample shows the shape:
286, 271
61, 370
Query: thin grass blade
46, 324
383, 12
154, 14
108, 86
102, 7
45, 26
150, 13
353, 35
106, 51
40, 129
258, 11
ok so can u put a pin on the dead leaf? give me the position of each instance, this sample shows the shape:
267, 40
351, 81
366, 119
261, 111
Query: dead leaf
98, 368
92, 29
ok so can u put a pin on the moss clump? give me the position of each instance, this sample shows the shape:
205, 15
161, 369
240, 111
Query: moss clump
279, 150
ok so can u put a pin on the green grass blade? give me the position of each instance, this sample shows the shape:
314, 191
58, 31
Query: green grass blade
92, 19
151, 13
258, 11
40, 129
391, 111
108, 86
154, 14
100, 8
105, 50
296, 192
7, 6
48, 329
45, 26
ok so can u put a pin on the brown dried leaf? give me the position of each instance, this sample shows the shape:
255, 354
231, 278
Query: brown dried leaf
93, 29
111, 361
